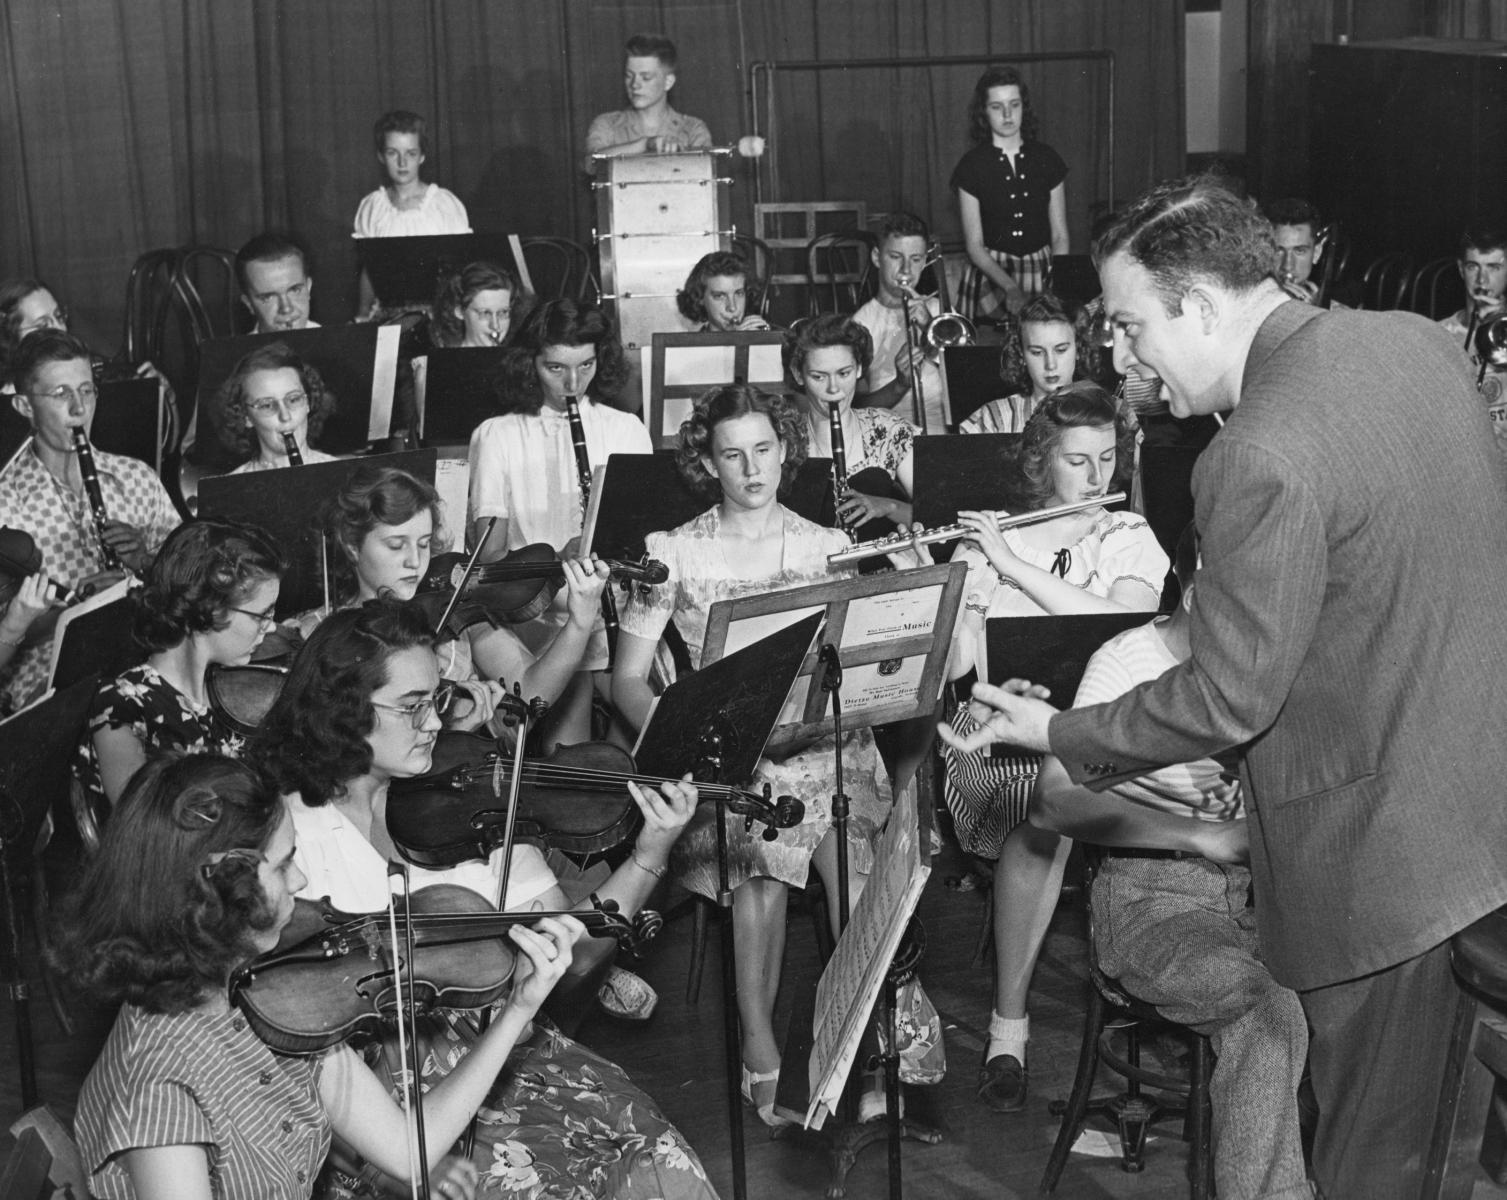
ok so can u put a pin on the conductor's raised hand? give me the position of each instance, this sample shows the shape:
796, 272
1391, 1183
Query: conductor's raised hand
1015, 713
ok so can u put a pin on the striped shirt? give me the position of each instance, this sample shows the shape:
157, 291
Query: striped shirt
202, 1078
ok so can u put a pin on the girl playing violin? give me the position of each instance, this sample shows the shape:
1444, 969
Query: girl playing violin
741, 448
360, 709
208, 599
1076, 446
197, 874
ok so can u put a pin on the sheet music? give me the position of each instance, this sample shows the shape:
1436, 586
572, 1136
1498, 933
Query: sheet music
852, 979
384, 380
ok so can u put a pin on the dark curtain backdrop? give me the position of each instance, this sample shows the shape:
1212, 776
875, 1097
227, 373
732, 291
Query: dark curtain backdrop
132, 124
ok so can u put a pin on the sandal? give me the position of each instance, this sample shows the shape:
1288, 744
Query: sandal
751, 1080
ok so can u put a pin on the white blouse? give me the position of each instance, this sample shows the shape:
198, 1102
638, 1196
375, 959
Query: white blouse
440, 212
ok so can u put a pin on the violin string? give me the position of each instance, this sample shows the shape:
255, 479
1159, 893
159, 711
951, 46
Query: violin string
538, 771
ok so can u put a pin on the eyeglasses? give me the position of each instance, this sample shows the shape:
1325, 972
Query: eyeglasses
265, 618
87, 394
489, 316
268, 406
418, 712
57, 319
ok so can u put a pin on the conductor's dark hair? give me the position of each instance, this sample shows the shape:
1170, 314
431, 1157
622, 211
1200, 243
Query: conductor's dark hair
1483, 238
461, 287
726, 403
690, 299
40, 347
204, 569
1189, 231
562, 323
656, 45
376, 496
1293, 211
232, 402
978, 117
272, 246
829, 329
399, 120
1079, 405
313, 741
169, 905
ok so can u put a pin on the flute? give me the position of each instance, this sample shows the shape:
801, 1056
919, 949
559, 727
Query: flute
290, 444
96, 497
946, 533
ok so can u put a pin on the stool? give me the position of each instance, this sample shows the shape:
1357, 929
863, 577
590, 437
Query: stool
1475, 1073
1131, 1111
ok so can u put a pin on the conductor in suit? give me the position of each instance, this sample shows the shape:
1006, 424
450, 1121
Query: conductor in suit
1347, 638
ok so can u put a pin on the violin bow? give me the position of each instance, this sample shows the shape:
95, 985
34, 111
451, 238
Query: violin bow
408, 1035
470, 567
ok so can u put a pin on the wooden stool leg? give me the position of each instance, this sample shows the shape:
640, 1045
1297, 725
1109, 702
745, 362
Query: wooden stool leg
1201, 1119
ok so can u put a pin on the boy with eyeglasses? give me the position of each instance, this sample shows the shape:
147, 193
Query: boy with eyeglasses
42, 493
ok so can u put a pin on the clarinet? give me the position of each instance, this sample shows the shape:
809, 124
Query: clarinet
95, 496
290, 444
839, 466
583, 476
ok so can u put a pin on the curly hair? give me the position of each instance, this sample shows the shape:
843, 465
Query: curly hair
726, 403
376, 496
40, 347
400, 120
231, 399
829, 329
562, 323
314, 739
12, 293
1080, 405
1189, 230
205, 568
1041, 309
167, 908
691, 299
461, 287
978, 116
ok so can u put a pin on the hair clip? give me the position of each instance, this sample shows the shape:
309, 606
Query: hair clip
199, 810
240, 854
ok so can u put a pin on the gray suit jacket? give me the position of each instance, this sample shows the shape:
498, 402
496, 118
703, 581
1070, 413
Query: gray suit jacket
1350, 634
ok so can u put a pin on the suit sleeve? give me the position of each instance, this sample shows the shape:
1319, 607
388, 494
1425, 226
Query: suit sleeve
1256, 607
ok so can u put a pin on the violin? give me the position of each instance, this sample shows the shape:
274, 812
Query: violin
331, 976
19, 559
509, 590
242, 696
575, 800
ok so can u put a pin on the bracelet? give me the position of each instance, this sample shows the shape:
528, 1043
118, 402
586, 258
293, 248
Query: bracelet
16, 643
657, 872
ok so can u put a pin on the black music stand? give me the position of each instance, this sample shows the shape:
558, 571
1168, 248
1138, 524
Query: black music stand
973, 380
407, 271
289, 505
357, 363
36, 757
130, 418
722, 716
95, 638
638, 494
954, 473
462, 388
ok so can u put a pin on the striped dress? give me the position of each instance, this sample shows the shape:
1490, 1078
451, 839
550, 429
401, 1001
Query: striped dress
202, 1078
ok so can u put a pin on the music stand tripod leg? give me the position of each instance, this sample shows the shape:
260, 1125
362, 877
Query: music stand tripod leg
733, 1054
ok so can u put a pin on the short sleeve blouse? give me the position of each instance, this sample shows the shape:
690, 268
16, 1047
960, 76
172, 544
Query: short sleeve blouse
884, 441
440, 212
1012, 195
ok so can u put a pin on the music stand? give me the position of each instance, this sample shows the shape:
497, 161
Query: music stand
639, 494
1052, 651
408, 271
1075, 279
289, 504
357, 363
130, 418
36, 757
462, 388
972, 374
681, 366
954, 473
732, 705
94, 637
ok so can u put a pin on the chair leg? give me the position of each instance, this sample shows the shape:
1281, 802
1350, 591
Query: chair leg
1201, 1122
1133, 1113
700, 932
1076, 1108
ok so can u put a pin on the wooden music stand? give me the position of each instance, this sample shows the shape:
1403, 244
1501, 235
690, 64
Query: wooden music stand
891, 632
682, 366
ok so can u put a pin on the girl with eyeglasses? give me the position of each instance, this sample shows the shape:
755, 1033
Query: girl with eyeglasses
271, 394
361, 708
208, 599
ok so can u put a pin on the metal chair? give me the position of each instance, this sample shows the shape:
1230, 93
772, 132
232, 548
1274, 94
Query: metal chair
149, 293
207, 287
1385, 281
560, 269
1437, 289
837, 270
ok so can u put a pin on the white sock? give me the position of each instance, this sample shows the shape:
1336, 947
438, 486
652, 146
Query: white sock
1008, 1035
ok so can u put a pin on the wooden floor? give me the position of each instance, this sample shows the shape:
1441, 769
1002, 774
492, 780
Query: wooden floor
677, 1057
